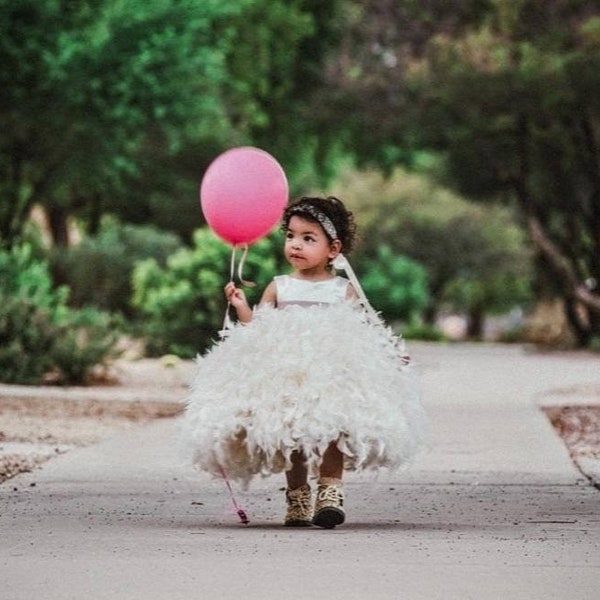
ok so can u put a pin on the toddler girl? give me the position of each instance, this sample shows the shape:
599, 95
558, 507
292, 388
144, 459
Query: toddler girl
310, 381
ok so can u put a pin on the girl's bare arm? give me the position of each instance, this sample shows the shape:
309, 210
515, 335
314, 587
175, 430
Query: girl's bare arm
269, 295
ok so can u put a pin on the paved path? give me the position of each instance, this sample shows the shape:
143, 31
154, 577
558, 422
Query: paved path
494, 510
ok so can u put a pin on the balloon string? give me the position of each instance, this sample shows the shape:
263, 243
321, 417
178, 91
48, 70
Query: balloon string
241, 269
232, 264
241, 513
240, 272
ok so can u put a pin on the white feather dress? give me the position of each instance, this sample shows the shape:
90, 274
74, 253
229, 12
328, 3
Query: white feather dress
313, 370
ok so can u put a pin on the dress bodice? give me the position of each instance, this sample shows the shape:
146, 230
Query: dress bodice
293, 291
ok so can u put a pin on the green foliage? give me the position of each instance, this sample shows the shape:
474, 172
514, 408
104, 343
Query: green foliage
38, 332
505, 94
98, 270
417, 330
183, 303
475, 256
25, 278
395, 285
113, 106
86, 338
27, 338
495, 292
88, 86
278, 60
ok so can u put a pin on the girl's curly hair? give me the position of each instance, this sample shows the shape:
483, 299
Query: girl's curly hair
332, 208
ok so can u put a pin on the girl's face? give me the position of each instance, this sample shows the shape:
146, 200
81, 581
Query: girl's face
307, 247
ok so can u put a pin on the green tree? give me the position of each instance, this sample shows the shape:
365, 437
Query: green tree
496, 275
464, 247
86, 85
273, 65
279, 56
506, 94
112, 106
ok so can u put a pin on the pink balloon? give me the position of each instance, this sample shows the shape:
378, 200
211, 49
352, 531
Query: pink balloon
243, 194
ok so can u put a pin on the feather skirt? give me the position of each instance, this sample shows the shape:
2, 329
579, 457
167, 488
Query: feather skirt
297, 379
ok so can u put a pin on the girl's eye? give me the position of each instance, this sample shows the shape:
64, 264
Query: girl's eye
308, 238
288, 236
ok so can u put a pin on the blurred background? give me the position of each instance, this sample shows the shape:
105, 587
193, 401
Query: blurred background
464, 135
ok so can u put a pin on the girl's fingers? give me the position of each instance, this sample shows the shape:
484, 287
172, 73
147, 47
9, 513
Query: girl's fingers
232, 293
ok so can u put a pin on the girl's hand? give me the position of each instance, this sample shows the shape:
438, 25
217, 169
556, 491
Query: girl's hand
237, 299
235, 296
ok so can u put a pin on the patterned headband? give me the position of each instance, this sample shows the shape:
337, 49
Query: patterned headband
324, 221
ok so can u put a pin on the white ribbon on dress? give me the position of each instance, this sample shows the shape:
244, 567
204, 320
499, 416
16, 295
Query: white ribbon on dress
340, 262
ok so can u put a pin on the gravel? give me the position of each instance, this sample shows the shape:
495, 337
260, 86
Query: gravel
579, 427
39, 423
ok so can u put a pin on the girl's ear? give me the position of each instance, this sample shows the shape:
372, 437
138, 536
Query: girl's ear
334, 249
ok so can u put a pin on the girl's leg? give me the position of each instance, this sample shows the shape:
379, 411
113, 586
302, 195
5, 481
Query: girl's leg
297, 476
298, 495
332, 465
329, 506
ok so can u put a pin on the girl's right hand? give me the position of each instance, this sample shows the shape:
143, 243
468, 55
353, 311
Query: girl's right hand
237, 299
235, 296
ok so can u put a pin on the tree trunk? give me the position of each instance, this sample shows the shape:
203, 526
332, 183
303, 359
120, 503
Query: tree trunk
430, 314
581, 329
14, 206
475, 322
561, 267
95, 214
58, 223
595, 325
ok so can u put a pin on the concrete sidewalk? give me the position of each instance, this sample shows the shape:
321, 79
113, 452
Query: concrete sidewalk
494, 510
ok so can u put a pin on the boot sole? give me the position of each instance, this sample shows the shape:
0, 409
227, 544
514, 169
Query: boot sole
328, 518
297, 523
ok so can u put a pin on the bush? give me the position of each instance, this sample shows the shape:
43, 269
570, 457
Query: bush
38, 332
395, 285
99, 270
183, 303
27, 338
87, 338
423, 331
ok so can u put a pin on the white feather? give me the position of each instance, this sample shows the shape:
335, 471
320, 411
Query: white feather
297, 379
